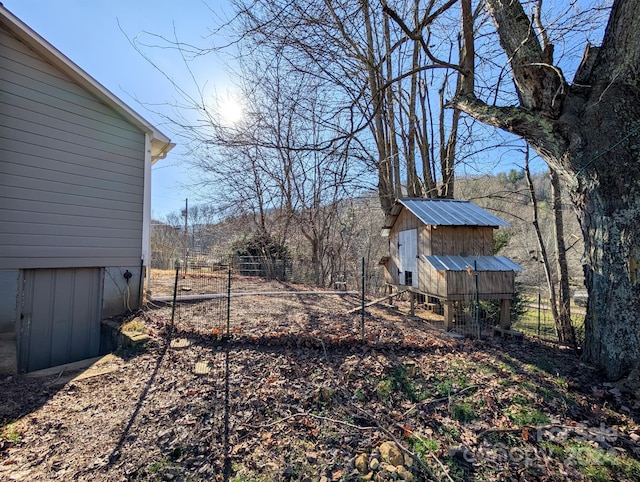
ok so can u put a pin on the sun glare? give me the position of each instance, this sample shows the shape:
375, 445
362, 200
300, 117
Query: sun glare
230, 111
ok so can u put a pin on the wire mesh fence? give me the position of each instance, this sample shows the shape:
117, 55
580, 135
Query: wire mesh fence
224, 300
538, 321
249, 298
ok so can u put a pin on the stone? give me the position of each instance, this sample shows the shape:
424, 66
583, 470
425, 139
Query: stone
390, 468
180, 343
202, 368
362, 463
391, 453
405, 474
374, 464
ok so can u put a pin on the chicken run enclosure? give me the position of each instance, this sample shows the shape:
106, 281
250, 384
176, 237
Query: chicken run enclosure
223, 300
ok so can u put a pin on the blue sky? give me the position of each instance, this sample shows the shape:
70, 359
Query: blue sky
87, 32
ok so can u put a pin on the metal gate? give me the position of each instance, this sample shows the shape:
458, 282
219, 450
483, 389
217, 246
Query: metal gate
60, 311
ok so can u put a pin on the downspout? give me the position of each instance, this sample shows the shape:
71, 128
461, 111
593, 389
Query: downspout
146, 212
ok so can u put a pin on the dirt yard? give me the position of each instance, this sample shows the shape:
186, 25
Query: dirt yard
295, 394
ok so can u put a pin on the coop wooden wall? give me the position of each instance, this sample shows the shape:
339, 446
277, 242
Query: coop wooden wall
406, 220
458, 285
447, 240
431, 281
491, 284
458, 240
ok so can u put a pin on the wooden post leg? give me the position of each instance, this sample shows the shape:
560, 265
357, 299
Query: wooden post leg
448, 315
505, 314
390, 297
412, 298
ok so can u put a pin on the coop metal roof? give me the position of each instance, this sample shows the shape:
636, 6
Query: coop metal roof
444, 212
464, 263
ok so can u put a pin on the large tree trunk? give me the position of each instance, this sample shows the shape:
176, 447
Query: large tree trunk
386, 181
613, 310
606, 193
589, 132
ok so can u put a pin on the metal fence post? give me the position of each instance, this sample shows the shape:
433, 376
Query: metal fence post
362, 317
175, 295
475, 269
229, 303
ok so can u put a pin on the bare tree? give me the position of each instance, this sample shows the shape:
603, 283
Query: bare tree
376, 76
166, 242
562, 317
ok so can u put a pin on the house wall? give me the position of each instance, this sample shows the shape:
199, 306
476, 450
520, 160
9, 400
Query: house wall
71, 170
120, 296
72, 175
8, 299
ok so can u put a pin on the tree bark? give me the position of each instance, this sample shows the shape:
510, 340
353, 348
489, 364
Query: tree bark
389, 113
414, 189
386, 184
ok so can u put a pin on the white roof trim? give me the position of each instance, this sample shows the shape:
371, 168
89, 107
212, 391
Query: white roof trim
160, 144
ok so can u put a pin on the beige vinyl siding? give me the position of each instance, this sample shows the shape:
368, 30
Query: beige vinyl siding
71, 170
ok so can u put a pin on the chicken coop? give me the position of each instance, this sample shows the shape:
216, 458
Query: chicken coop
442, 249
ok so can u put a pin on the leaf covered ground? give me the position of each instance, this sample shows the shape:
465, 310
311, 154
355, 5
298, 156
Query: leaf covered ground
301, 397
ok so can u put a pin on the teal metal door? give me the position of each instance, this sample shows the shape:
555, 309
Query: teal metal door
60, 313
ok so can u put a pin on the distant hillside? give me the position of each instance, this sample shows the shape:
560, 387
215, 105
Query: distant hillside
330, 242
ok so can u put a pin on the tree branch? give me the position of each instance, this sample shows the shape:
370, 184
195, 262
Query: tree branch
535, 128
416, 36
619, 56
537, 86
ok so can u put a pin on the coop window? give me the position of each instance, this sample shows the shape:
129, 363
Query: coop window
408, 278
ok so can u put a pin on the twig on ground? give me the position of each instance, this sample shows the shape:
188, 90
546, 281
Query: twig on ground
323, 348
311, 415
438, 400
432, 455
59, 375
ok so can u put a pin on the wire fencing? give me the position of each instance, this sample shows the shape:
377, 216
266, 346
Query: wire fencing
538, 321
248, 298
245, 298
